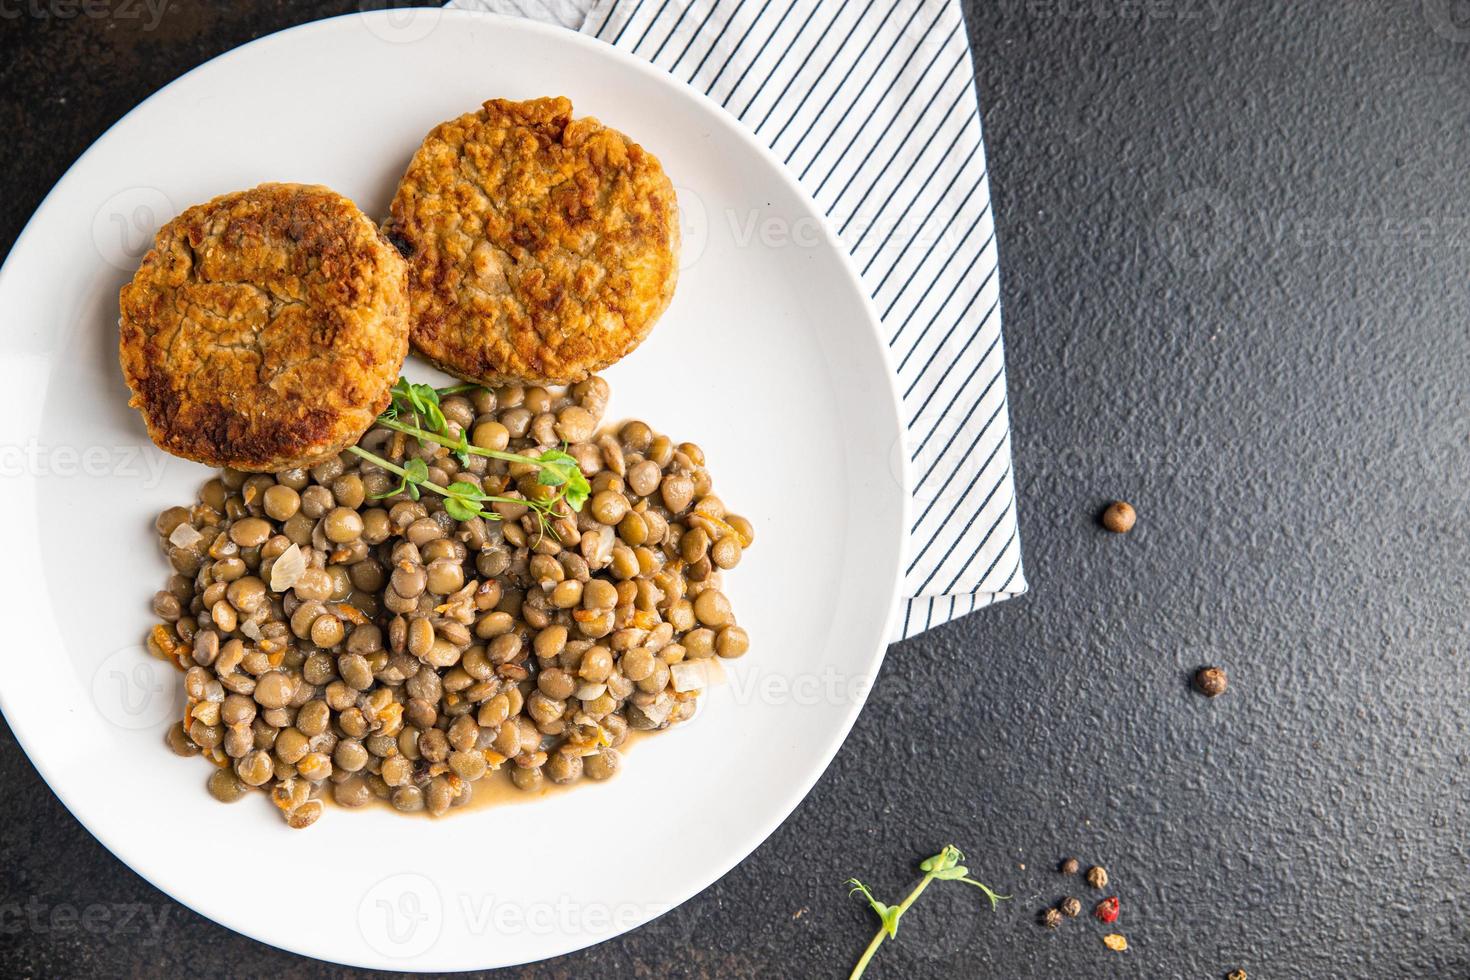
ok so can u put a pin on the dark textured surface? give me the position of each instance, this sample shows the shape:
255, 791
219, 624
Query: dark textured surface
1234, 252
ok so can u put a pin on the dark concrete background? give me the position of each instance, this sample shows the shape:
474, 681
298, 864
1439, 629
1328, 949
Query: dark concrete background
1234, 248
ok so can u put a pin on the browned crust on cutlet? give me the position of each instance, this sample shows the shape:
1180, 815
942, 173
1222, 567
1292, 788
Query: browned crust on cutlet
264, 328
541, 248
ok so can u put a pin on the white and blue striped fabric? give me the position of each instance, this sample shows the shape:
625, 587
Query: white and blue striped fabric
871, 103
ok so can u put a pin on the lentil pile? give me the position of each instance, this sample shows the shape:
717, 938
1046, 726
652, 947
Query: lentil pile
375, 648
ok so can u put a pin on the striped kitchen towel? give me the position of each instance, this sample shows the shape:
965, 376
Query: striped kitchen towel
871, 104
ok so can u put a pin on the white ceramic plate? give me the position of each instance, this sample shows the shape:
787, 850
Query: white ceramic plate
768, 357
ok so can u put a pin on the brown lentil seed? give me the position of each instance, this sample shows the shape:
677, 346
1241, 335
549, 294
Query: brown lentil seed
225, 786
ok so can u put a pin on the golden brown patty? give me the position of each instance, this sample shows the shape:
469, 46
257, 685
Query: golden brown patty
264, 328
541, 248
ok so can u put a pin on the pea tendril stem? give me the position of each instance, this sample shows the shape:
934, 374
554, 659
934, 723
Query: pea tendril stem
462, 500
944, 866
443, 440
397, 470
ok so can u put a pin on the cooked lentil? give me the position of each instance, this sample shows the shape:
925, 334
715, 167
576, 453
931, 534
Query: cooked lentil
397, 654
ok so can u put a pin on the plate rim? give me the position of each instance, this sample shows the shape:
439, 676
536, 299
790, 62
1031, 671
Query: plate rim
792, 797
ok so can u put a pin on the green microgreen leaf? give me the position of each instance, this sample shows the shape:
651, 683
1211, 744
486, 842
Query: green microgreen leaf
945, 859
560, 469
551, 474
468, 490
887, 914
462, 510
422, 400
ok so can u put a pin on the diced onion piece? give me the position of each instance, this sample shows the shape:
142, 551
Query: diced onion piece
658, 712
186, 535
288, 569
689, 675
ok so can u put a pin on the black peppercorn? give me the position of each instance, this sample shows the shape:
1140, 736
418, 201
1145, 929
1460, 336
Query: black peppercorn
1211, 681
1070, 907
1068, 866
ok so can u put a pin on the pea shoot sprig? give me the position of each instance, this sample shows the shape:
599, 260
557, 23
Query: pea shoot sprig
944, 866
463, 500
